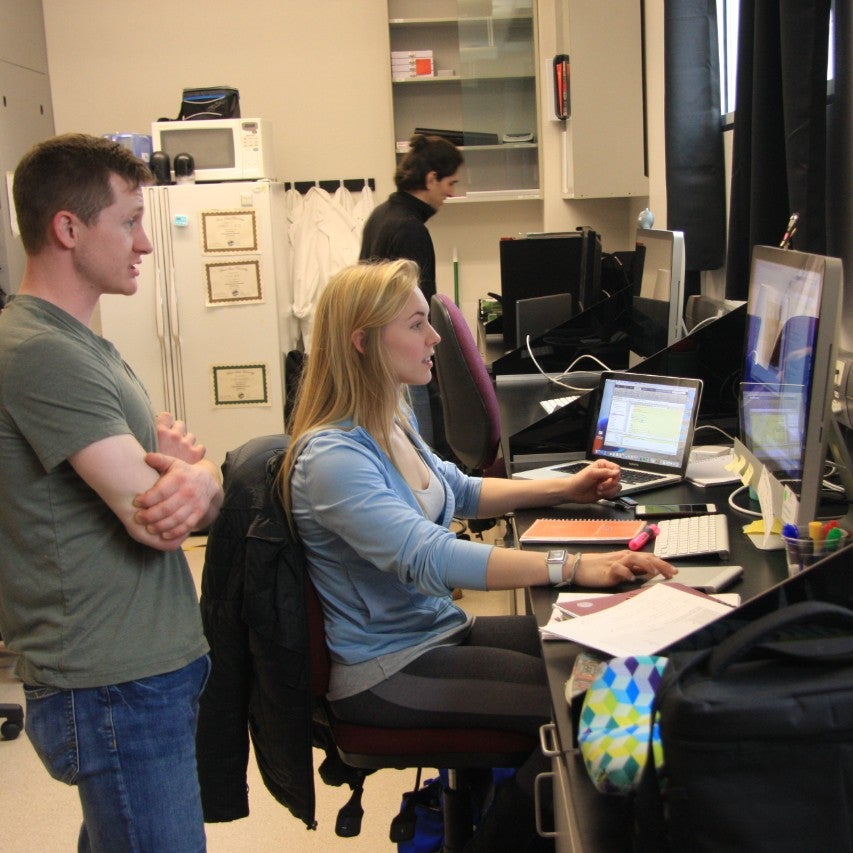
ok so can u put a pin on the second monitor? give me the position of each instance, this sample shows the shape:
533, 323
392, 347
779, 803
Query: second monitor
658, 305
547, 264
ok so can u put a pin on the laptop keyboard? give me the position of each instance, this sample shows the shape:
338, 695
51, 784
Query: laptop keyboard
637, 478
629, 477
692, 536
571, 467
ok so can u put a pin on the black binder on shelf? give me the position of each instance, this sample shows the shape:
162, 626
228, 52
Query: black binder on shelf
461, 137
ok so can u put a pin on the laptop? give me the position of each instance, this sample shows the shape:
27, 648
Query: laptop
644, 424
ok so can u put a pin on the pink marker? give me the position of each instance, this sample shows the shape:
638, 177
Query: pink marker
649, 531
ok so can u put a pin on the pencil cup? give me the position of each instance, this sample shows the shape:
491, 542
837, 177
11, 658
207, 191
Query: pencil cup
803, 553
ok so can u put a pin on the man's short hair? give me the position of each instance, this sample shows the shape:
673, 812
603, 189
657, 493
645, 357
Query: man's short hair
70, 172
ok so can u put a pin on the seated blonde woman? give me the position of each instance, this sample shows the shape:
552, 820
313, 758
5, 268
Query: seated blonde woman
373, 505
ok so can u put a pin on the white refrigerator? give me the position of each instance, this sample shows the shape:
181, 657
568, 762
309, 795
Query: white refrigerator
212, 319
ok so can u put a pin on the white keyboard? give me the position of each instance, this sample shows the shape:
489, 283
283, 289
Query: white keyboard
556, 403
693, 536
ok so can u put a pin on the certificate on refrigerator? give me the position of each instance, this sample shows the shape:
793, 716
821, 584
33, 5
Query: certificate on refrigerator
229, 231
240, 385
228, 282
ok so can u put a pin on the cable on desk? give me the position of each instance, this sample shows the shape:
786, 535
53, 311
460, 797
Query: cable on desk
714, 427
566, 371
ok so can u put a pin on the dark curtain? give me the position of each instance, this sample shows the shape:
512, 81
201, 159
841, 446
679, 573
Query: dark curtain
779, 163
695, 169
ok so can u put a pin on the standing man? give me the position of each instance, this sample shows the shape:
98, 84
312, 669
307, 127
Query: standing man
425, 177
96, 497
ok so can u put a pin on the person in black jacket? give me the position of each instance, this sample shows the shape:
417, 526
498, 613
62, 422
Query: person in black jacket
426, 176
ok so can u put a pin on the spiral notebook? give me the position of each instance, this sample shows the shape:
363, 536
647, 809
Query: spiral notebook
601, 531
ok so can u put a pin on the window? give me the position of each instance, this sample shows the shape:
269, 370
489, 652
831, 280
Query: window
728, 13
727, 28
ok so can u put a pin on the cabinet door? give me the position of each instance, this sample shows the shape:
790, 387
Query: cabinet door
26, 117
481, 91
604, 142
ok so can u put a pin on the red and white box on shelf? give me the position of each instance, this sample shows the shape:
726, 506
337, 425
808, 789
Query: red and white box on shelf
410, 64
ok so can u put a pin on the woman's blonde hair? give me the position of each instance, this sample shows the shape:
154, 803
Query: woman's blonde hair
341, 383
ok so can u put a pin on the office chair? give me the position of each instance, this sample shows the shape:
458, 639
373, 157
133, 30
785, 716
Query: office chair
13, 720
11, 713
372, 748
472, 420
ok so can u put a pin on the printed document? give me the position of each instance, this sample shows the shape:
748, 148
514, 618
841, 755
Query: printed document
643, 624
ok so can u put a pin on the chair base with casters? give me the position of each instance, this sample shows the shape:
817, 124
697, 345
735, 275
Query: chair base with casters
13, 720
376, 748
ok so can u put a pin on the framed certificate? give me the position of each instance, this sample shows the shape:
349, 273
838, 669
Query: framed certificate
240, 385
229, 231
228, 282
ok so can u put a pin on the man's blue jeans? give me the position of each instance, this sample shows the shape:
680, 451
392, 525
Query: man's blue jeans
130, 750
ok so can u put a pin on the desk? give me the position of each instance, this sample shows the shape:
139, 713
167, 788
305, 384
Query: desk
584, 819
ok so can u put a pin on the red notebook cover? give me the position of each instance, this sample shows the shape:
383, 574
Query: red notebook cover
596, 530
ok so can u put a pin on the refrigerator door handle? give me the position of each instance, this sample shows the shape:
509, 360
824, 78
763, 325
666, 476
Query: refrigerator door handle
155, 204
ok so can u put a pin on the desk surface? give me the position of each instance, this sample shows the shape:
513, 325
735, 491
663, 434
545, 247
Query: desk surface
602, 823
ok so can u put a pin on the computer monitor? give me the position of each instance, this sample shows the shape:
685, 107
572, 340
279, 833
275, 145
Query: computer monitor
713, 353
537, 314
793, 310
545, 264
700, 308
658, 309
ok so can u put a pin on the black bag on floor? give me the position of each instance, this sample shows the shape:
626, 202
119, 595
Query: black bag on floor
757, 740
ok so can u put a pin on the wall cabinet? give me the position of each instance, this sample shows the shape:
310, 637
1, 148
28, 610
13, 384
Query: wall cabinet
483, 85
604, 139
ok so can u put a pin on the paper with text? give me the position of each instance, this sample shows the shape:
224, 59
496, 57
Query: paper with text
643, 624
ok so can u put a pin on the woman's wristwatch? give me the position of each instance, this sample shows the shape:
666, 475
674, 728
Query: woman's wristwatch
556, 560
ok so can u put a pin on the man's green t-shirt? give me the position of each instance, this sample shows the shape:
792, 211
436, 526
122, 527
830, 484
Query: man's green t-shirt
82, 602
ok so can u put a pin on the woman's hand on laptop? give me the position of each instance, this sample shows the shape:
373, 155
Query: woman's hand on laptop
613, 567
599, 479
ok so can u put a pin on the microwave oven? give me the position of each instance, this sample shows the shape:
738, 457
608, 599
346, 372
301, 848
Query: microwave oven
223, 149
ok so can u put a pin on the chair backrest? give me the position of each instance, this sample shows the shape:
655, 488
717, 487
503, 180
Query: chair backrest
471, 412
317, 648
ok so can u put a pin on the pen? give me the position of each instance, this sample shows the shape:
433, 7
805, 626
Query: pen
649, 531
828, 526
790, 231
789, 531
833, 539
816, 533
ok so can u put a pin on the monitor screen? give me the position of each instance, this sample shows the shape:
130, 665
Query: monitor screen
788, 377
546, 264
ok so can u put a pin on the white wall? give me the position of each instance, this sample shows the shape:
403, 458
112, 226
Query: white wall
319, 71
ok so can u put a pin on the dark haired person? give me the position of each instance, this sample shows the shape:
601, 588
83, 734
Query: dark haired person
425, 177
97, 493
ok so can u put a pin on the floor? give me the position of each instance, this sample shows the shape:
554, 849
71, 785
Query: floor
40, 814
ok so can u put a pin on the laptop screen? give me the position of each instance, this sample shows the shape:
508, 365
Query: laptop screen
645, 421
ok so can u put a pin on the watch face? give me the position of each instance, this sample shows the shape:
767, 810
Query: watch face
557, 555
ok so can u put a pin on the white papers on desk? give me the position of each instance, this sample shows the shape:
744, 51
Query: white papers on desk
643, 624
711, 465
558, 616
707, 466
